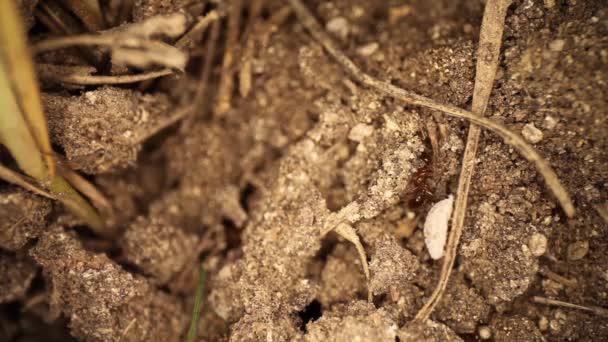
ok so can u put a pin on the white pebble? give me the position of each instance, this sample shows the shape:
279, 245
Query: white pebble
338, 26
360, 132
485, 333
538, 244
436, 227
368, 49
550, 122
557, 45
531, 133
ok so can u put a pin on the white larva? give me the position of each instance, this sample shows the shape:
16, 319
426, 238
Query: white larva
436, 227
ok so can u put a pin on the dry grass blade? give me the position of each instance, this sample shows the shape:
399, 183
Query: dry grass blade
594, 309
83, 79
13, 177
187, 39
224, 93
125, 50
200, 99
19, 69
347, 232
15, 133
245, 72
514, 140
488, 54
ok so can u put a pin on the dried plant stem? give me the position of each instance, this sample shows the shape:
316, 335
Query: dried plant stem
245, 72
200, 99
198, 29
13, 177
164, 123
118, 79
273, 24
84, 186
594, 309
558, 278
348, 232
109, 40
488, 54
226, 85
514, 140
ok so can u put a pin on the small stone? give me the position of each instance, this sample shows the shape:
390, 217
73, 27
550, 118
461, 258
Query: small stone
360, 132
549, 4
550, 122
538, 244
368, 49
485, 333
338, 26
398, 12
543, 323
578, 250
531, 133
557, 45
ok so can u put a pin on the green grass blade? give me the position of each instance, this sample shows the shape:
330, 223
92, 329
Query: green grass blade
78, 205
198, 303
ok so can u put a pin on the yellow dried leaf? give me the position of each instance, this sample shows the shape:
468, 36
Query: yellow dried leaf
19, 72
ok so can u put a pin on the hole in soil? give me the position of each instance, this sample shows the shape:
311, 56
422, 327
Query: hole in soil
246, 194
233, 234
311, 313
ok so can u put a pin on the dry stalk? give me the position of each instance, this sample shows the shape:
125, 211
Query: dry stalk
245, 72
594, 309
488, 54
226, 85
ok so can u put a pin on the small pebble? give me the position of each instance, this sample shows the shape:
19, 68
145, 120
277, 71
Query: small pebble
531, 133
549, 4
360, 132
485, 333
557, 45
538, 244
543, 323
338, 26
578, 250
368, 49
550, 122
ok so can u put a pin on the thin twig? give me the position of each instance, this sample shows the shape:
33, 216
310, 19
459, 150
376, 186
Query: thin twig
226, 85
594, 309
275, 20
84, 186
198, 303
164, 123
514, 140
127, 329
255, 7
13, 177
210, 46
118, 79
558, 278
347, 232
197, 30
109, 40
488, 54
